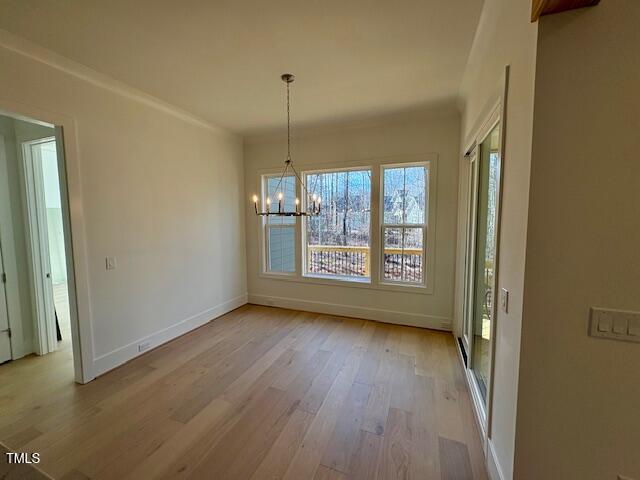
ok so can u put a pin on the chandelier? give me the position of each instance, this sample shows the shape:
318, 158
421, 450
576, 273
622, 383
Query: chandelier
312, 205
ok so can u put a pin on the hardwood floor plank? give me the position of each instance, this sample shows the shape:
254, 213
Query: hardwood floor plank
449, 412
402, 383
250, 455
371, 360
349, 328
18, 471
125, 455
375, 417
364, 460
154, 465
309, 454
277, 460
395, 457
432, 357
282, 352
221, 458
241, 391
341, 347
338, 454
75, 475
325, 473
21, 438
472, 436
454, 458
425, 461
234, 429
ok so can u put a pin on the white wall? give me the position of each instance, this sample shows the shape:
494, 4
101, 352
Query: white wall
505, 36
430, 134
579, 397
162, 192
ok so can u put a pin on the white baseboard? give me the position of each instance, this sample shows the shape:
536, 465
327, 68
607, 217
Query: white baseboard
493, 466
386, 316
117, 357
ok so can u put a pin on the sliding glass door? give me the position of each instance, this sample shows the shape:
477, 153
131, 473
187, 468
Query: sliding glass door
479, 311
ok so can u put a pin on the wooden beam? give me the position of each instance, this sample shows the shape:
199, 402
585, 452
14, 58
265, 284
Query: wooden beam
547, 7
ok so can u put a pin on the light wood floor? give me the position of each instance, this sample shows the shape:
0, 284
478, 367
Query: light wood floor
259, 393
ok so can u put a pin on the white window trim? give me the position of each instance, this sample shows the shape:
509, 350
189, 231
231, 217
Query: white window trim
373, 282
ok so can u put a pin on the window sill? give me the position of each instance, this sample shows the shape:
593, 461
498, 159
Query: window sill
364, 283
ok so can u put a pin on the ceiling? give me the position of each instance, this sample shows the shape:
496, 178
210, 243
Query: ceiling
221, 59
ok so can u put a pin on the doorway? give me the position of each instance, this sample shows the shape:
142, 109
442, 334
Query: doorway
35, 316
46, 237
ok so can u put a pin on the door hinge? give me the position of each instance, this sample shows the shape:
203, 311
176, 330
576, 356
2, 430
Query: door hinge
8, 330
4, 278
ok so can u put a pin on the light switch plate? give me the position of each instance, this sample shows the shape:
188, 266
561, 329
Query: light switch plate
614, 324
110, 263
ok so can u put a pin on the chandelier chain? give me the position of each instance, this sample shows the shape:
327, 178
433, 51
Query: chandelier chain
288, 125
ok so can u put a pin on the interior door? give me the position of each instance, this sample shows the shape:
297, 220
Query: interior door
39, 239
5, 332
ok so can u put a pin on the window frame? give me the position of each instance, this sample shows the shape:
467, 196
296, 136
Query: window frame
375, 164
424, 225
304, 245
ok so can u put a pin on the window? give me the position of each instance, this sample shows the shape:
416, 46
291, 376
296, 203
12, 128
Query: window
338, 239
345, 243
279, 232
404, 223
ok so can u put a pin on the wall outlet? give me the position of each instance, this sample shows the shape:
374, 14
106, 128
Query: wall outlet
110, 263
144, 346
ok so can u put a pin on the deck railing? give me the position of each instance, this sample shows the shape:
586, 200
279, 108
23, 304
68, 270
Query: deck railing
356, 262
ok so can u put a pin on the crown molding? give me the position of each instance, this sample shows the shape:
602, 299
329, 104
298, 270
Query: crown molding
28, 49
